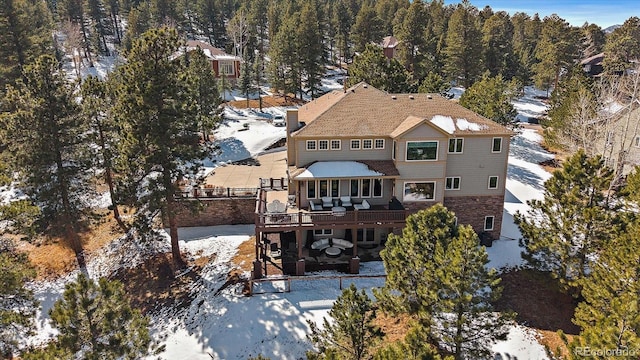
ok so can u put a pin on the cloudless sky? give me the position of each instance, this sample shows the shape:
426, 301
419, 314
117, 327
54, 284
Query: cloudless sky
601, 12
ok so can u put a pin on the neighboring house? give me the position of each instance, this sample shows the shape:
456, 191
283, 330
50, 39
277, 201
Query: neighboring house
223, 64
389, 45
621, 141
593, 65
389, 155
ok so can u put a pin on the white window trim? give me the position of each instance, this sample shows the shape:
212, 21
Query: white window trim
315, 145
493, 141
375, 145
351, 144
493, 223
367, 148
404, 185
321, 149
224, 63
321, 232
339, 144
461, 146
319, 188
315, 184
452, 182
358, 194
406, 150
497, 182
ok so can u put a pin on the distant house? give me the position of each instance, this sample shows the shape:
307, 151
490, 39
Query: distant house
223, 64
361, 160
389, 44
593, 65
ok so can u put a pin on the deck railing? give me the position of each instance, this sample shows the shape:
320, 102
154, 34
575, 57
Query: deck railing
378, 217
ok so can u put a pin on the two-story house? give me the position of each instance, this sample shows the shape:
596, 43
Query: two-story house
386, 156
223, 64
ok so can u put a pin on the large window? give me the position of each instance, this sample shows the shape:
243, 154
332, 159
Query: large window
419, 191
422, 150
497, 145
311, 189
335, 188
455, 145
377, 187
493, 182
488, 223
365, 188
324, 187
452, 183
355, 188
225, 68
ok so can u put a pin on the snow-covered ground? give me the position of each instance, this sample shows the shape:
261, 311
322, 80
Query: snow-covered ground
222, 324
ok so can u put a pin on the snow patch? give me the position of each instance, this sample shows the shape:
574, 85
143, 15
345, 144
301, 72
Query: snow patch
464, 124
444, 122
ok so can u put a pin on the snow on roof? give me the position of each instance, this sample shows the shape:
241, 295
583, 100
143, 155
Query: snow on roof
337, 169
444, 122
464, 124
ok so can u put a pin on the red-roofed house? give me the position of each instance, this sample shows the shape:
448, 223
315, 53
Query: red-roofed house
223, 64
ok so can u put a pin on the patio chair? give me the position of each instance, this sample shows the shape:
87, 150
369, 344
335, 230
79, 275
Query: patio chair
345, 201
313, 206
363, 206
274, 251
327, 202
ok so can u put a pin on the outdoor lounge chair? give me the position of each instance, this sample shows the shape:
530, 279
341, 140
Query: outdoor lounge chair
313, 206
345, 201
363, 206
327, 202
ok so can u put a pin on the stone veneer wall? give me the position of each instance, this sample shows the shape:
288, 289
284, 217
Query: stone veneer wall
470, 210
219, 211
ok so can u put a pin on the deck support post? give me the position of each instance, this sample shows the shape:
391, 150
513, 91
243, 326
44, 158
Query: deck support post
354, 265
300, 267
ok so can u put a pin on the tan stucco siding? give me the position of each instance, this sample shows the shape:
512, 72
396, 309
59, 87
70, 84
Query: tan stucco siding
476, 164
305, 157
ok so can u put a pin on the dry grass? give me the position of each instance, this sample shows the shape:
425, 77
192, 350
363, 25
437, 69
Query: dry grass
53, 256
554, 343
394, 327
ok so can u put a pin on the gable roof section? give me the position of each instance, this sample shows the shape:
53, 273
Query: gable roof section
363, 110
211, 51
344, 169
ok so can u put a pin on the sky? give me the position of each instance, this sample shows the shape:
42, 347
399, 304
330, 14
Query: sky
601, 12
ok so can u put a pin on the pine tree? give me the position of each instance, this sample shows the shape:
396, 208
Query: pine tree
375, 69
95, 107
98, 320
203, 86
352, 334
526, 32
433, 83
497, 39
158, 128
17, 304
610, 313
557, 49
466, 325
24, 34
593, 40
464, 44
211, 21
412, 47
342, 21
284, 67
573, 89
436, 272
414, 346
311, 49
138, 21
622, 46
49, 148
563, 231
367, 28
96, 10
491, 97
